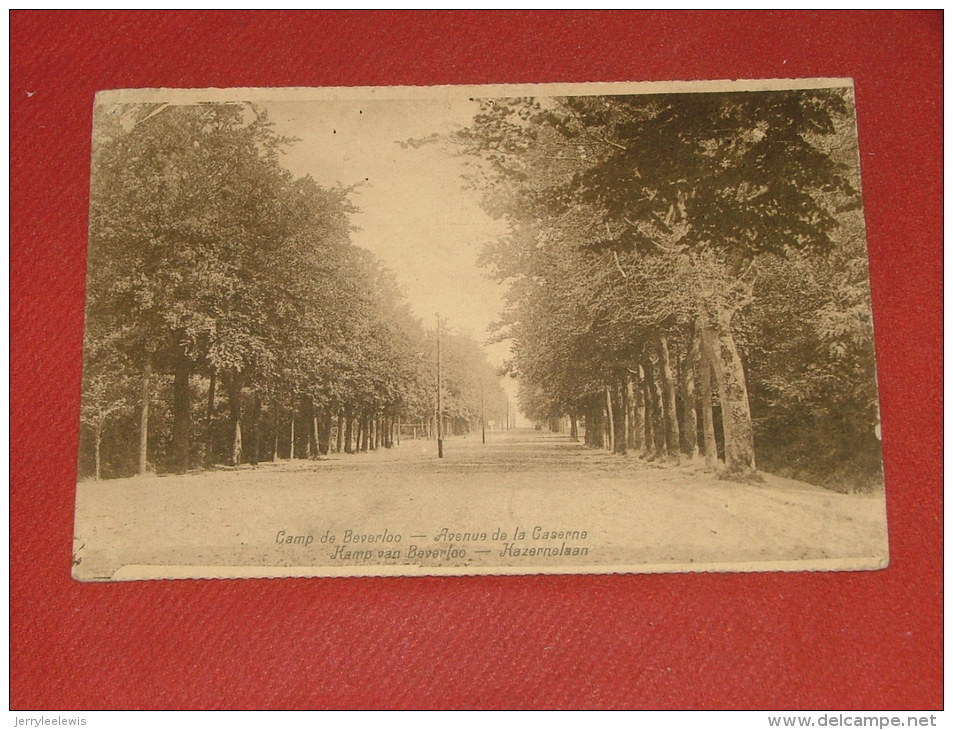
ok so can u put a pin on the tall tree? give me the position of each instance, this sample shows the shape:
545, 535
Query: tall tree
703, 183
182, 201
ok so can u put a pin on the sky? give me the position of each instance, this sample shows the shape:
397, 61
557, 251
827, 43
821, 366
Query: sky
415, 213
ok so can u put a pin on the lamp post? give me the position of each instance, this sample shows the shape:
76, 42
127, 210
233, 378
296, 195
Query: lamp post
439, 400
482, 412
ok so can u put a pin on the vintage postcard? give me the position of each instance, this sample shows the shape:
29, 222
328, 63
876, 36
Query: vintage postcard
584, 328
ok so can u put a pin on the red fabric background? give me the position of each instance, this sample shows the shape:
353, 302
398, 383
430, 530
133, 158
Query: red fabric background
768, 641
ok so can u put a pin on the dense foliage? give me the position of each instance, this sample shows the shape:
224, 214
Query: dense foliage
230, 319
688, 275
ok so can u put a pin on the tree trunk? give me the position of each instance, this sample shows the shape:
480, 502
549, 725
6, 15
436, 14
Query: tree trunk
595, 431
309, 425
274, 453
573, 426
291, 445
234, 386
349, 432
669, 407
715, 327
610, 420
314, 437
625, 410
317, 427
237, 443
619, 425
708, 421
636, 399
325, 424
181, 416
654, 427
209, 415
97, 443
687, 387
144, 420
255, 429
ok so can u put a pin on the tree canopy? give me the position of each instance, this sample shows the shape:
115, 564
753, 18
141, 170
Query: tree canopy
664, 249
213, 270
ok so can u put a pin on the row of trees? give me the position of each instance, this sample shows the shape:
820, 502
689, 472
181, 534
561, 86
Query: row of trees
688, 274
229, 317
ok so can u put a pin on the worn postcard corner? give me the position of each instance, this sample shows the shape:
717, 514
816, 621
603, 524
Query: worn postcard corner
500, 330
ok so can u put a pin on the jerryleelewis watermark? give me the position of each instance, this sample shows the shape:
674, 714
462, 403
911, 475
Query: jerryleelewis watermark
47, 720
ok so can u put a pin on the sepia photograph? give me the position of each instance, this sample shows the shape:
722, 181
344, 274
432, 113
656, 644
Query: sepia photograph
461, 330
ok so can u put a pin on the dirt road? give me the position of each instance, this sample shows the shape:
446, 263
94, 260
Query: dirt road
524, 502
